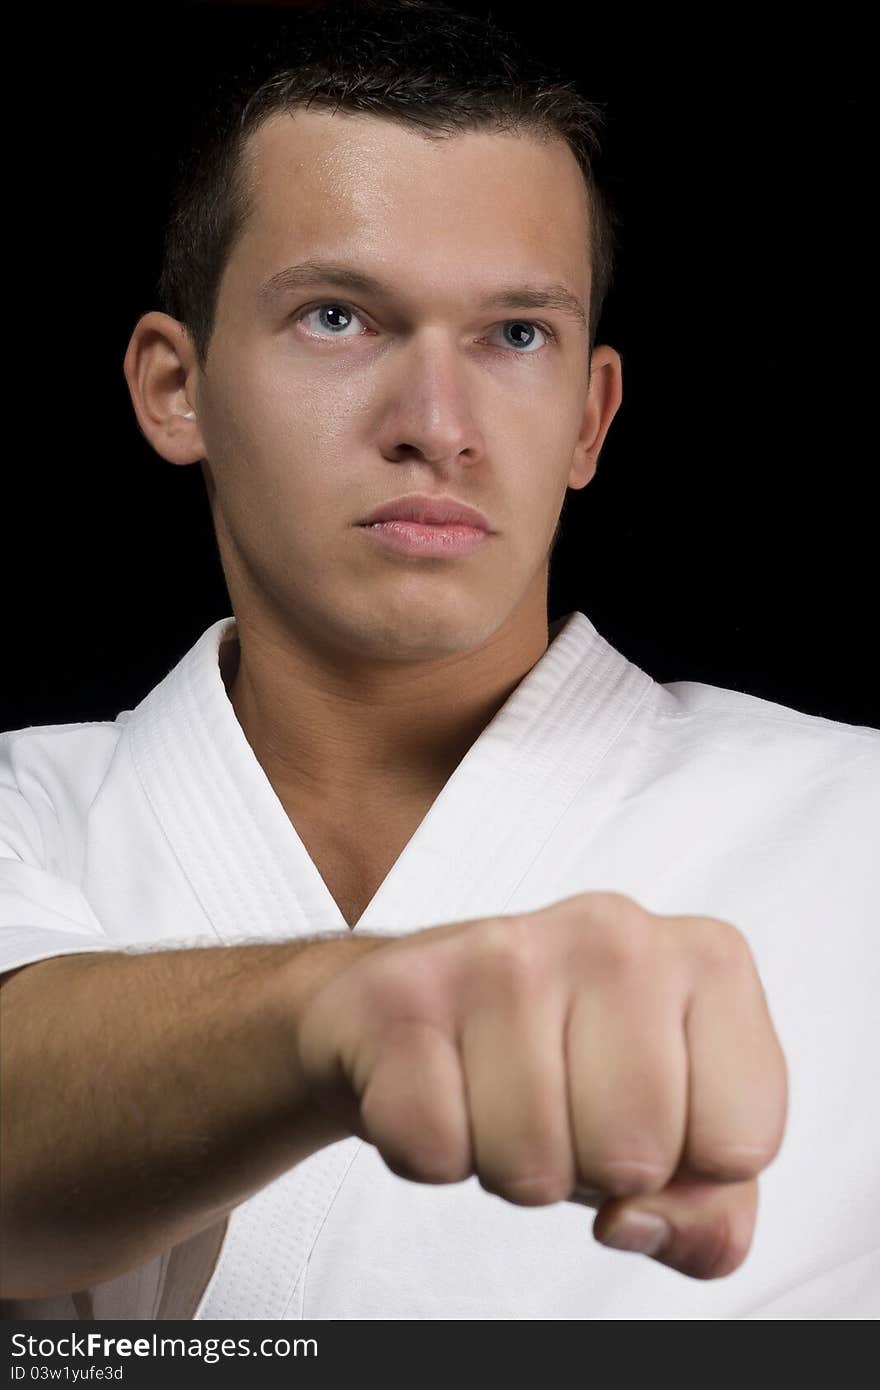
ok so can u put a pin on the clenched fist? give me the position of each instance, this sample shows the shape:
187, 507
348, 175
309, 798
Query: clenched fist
591, 1051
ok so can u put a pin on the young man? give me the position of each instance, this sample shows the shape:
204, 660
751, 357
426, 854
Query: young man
497, 922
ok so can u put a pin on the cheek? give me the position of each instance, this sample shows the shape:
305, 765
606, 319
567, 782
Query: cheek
281, 439
308, 416
536, 481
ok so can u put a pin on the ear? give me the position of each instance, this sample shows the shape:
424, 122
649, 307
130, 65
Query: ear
603, 398
162, 374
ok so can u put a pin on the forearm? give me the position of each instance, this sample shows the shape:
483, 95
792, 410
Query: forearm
144, 1096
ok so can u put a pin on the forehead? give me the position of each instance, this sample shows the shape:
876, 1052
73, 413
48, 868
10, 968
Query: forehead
481, 202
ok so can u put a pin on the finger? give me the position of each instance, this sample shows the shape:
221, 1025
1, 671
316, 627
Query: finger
512, 1052
705, 1229
587, 1197
627, 1082
737, 1104
414, 1106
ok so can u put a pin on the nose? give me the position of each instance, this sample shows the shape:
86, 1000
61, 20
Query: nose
430, 411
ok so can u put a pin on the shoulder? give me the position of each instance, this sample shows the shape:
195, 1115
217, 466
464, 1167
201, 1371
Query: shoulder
745, 755
714, 713
50, 775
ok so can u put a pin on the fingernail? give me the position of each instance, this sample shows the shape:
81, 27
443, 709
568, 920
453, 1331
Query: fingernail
641, 1231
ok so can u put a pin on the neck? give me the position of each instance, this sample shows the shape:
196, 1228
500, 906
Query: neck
331, 733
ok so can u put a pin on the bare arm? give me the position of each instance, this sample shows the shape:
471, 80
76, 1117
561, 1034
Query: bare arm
589, 1047
145, 1096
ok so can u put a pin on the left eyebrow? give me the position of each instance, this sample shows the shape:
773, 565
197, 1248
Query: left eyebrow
553, 296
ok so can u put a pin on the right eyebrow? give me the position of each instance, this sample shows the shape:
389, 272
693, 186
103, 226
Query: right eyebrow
316, 272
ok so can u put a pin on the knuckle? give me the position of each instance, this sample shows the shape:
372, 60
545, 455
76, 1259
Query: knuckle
624, 1177
611, 904
535, 1189
777, 1126
428, 1153
432, 1167
619, 946
733, 1162
397, 993
507, 954
441, 1166
723, 948
740, 1227
715, 1248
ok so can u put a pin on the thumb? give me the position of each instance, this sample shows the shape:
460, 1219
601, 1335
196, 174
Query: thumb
702, 1229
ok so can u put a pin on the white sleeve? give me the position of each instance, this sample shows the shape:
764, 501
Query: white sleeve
41, 913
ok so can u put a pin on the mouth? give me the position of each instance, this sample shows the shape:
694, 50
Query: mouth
433, 540
427, 510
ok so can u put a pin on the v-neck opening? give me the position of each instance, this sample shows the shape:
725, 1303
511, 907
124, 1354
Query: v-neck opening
321, 886
474, 843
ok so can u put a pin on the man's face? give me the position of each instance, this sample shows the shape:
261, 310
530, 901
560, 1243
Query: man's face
322, 402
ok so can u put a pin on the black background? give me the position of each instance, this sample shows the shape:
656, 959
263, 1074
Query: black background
730, 534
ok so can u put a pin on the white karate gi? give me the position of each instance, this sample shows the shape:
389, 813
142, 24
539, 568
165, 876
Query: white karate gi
161, 828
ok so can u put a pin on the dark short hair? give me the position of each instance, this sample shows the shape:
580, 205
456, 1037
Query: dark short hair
420, 63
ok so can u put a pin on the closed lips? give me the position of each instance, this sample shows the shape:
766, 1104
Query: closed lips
427, 511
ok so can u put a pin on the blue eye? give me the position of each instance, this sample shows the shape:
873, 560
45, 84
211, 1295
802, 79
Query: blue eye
530, 327
335, 310
332, 311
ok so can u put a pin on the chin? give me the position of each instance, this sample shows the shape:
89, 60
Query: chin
417, 634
